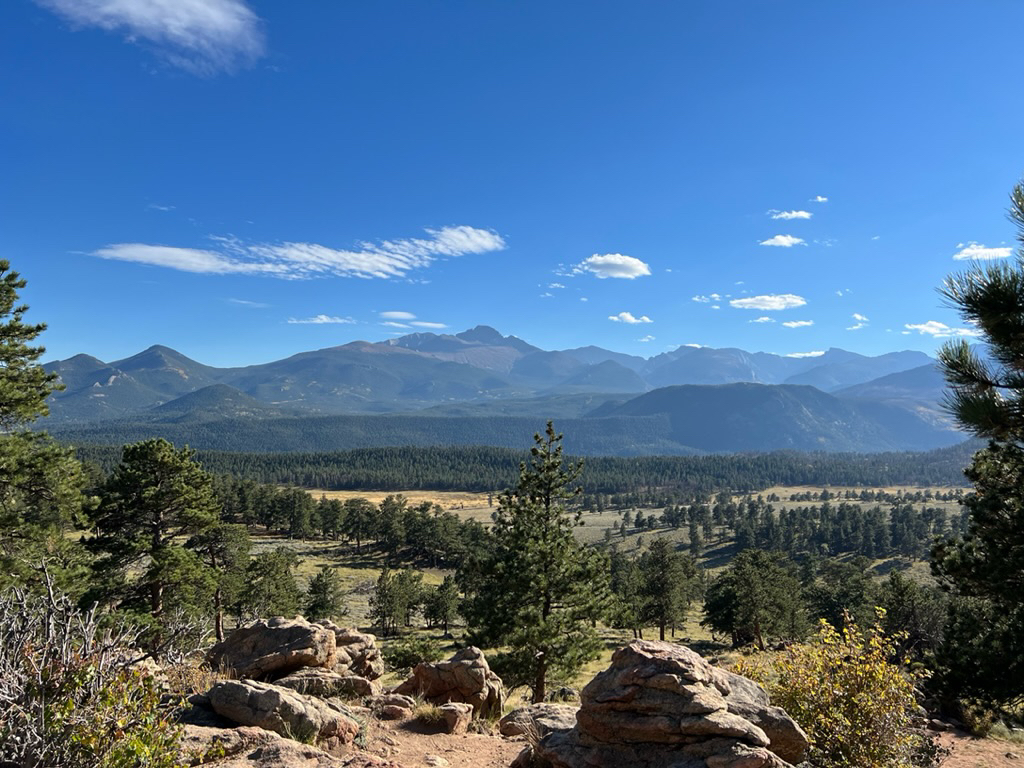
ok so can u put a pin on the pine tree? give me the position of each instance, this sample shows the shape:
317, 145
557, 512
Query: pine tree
224, 549
40, 481
669, 584
542, 589
270, 588
155, 496
324, 599
984, 649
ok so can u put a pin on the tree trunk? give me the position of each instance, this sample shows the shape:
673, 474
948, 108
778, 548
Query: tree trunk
538, 683
218, 616
661, 631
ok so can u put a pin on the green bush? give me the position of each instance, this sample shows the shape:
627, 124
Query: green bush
406, 652
855, 704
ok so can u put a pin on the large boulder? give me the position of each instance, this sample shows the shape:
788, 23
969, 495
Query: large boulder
658, 705
538, 719
283, 711
357, 652
749, 700
464, 678
270, 648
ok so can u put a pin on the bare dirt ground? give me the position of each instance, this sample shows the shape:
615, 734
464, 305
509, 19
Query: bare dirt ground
413, 747
970, 752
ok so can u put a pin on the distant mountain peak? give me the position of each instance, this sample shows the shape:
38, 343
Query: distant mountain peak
483, 334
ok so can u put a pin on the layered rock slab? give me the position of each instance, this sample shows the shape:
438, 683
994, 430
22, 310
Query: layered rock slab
661, 705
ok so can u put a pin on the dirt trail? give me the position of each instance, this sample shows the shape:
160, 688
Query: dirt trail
969, 752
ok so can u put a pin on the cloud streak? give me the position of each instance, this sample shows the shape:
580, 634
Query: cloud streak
787, 215
973, 251
615, 265
200, 36
627, 317
769, 302
320, 320
940, 330
798, 323
292, 261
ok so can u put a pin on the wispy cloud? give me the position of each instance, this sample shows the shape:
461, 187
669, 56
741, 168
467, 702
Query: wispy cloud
762, 319
784, 241
613, 265
425, 324
555, 285
819, 199
815, 353
978, 252
798, 323
320, 320
200, 36
393, 324
786, 215
250, 304
155, 207
940, 330
772, 301
646, 338
861, 322
291, 261
702, 299
395, 314
694, 346
627, 317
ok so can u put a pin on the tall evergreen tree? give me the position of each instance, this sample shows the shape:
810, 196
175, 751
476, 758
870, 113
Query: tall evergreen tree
542, 588
40, 482
669, 584
324, 598
224, 549
984, 649
156, 496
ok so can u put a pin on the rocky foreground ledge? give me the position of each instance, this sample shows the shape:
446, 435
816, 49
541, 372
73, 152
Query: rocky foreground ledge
298, 701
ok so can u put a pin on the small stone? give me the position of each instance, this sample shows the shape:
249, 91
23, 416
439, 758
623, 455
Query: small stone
435, 761
394, 712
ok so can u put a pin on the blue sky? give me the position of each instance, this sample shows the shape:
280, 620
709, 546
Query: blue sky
246, 180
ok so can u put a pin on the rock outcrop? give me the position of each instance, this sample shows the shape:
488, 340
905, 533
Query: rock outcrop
283, 711
465, 678
273, 648
312, 681
661, 705
539, 719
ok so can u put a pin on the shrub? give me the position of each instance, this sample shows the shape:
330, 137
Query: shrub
856, 706
407, 652
70, 695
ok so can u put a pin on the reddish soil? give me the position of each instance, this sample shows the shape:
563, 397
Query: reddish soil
406, 743
970, 752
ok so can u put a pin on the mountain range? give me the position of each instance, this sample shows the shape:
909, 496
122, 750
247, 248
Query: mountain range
688, 400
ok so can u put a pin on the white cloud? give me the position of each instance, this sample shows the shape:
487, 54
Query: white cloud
555, 285
613, 265
819, 199
393, 324
155, 207
862, 321
394, 314
701, 299
250, 304
786, 215
584, 298
425, 324
627, 317
798, 323
389, 258
770, 302
200, 36
815, 353
715, 306
939, 330
784, 241
764, 319
321, 320
547, 295
646, 338
979, 252
694, 346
